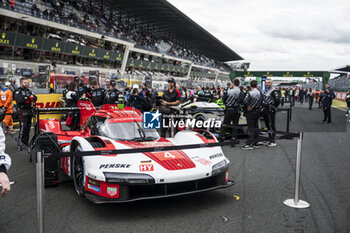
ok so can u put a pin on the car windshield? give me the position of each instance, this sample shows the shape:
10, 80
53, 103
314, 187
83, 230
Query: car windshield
130, 131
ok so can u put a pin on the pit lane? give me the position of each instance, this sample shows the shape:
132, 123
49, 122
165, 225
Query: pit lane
264, 177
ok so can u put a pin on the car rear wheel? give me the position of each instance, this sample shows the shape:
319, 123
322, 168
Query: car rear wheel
78, 173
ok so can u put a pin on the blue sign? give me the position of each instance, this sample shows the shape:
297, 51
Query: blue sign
96, 189
151, 120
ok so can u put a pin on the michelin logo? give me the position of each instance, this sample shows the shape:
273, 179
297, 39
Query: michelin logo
151, 120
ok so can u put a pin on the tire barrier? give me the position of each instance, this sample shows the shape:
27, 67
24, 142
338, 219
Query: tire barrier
41, 156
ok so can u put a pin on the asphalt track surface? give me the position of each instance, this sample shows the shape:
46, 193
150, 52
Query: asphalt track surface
264, 177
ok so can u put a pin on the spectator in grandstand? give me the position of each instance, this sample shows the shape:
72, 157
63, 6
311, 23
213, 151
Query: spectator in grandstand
253, 102
171, 97
6, 106
327, 99
5, 163
12, 3
311, 96
98, 94
270, 103
347, 100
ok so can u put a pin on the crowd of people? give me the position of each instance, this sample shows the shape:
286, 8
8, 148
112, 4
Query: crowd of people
93, 16
251, 101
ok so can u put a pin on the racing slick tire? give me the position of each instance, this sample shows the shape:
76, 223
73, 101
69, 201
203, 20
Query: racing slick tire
47, 142
78, 173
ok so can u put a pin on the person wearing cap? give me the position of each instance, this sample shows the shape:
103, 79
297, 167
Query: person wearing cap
114, 96
171, 97
6, 106
83, 92
98, 94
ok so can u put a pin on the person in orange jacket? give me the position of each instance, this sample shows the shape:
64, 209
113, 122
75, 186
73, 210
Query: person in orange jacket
6, 105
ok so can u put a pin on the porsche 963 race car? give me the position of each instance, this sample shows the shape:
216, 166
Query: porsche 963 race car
133, 176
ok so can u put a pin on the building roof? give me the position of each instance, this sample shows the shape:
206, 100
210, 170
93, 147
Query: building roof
163, 16
344, 69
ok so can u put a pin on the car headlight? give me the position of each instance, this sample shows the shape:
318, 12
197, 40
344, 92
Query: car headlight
128, 178
219, 168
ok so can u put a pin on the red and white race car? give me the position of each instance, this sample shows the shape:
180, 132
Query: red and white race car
134, 176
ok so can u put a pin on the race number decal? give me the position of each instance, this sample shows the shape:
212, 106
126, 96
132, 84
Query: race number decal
169, 155
172, 160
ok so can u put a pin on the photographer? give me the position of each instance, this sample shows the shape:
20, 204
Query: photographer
136, 99
5, 163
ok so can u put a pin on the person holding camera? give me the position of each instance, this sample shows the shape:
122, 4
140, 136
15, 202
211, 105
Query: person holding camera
171, 97
25, 100
137, 99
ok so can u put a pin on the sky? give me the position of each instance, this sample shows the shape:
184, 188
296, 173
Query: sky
278, 34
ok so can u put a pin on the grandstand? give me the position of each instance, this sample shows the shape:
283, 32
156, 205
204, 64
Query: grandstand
340, 83
116, 37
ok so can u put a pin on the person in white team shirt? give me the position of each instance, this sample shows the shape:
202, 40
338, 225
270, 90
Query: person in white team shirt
5, 163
